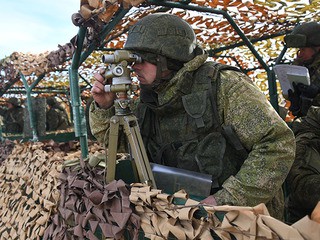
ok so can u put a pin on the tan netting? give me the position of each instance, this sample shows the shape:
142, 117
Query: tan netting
161, 218
47, 192
28, 190
90, 209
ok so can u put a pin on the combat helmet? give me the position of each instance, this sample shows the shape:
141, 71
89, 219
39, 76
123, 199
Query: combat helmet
163, 34
14, 101
304, 35
51, 101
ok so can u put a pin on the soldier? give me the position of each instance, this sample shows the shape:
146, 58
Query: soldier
56, 116
304, 176
306, 37
13, 116
189, 111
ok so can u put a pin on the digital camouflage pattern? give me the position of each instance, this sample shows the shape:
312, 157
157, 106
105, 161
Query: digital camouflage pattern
163, 34
304, 177
181, 116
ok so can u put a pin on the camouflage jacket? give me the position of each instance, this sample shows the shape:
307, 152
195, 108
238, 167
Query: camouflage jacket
304, 177
56, 119
184, 119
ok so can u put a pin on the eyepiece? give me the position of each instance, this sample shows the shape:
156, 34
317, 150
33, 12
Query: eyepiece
108, 58
121, 55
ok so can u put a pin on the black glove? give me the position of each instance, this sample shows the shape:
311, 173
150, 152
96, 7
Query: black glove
301, 98
309, 91
294, 98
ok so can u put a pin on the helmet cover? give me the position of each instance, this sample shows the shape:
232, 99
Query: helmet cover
304, 35
164, 34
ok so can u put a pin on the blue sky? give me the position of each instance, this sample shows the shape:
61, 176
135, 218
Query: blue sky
36, 26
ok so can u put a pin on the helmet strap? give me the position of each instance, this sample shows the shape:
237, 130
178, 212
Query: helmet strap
161, 66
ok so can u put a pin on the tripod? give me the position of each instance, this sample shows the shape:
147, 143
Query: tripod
131, 129
125, 120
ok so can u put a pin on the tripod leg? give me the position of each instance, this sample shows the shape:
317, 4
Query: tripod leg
132, 131
112, 148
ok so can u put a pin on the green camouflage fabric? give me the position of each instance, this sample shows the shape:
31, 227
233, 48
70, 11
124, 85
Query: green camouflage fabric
176, 40
304, 177
183, 118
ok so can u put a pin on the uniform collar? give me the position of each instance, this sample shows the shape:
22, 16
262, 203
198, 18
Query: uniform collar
181, 82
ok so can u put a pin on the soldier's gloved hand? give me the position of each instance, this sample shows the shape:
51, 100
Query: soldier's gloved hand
310, 91
294, 98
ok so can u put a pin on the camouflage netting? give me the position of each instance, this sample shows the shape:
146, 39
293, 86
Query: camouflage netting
28, 187
37, 64
267, 21
48, 192
28, 190
90, 209
5, 149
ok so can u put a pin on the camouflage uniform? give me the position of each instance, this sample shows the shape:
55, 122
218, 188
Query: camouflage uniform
13, 117
56, 117
306, 35
304, 177
177, 123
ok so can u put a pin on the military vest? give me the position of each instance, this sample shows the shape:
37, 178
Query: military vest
186, 132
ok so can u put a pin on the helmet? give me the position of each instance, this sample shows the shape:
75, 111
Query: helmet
14, 101
51, 101
164, 34
304, 35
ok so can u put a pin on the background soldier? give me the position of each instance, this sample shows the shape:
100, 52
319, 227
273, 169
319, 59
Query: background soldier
306, 37
304, 177
196, 117
13, 116
56, 116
